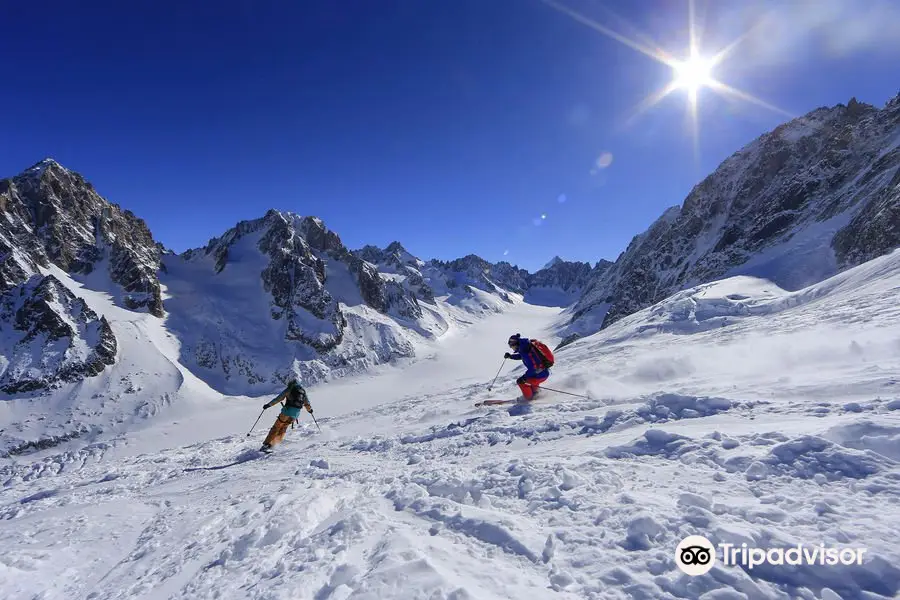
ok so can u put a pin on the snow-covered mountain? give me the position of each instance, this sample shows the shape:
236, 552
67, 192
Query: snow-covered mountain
474, 271
280, 296
52, 216
815, 196
642, 436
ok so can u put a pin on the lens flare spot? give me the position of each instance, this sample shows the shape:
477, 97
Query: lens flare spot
604, 160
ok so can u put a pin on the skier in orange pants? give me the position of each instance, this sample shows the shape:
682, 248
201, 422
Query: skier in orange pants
294, 398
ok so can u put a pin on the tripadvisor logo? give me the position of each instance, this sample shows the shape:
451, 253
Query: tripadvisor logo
696, 555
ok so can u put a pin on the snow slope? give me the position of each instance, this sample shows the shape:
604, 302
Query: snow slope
734, 410
145, 380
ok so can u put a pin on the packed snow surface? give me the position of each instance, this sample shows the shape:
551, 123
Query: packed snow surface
734, 410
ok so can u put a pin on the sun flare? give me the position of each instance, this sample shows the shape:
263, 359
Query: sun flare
693, 74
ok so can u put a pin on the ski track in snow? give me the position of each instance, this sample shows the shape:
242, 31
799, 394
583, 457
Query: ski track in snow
735, 410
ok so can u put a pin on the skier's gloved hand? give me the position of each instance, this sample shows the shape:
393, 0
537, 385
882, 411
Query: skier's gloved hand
265, 405
507, 355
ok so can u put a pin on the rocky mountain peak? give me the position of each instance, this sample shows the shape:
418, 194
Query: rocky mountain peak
53, 215
854, 107
472, 270
395, 247
553, 262
37, 169
471, 261
371, 253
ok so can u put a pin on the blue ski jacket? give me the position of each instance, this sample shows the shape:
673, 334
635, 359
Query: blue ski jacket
534, 366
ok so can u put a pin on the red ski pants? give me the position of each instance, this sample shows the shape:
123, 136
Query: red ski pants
530, 386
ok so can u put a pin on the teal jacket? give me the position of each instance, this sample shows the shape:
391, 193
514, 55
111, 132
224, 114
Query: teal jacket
294, 398
291, 411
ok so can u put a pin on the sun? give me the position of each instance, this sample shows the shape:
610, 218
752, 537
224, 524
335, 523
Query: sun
693, 74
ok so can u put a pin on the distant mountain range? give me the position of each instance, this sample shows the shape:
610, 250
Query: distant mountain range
271, 297
283, 295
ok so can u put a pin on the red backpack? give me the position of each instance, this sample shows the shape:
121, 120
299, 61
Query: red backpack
544, 352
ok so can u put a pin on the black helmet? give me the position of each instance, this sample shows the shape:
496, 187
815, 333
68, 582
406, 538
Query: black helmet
514, 340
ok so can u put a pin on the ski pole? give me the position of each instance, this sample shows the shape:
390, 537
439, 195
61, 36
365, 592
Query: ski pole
497, 375
569, 393
316, 422
257, 421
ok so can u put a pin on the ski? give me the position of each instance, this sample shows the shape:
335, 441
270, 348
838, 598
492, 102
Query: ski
518, 400
496, 402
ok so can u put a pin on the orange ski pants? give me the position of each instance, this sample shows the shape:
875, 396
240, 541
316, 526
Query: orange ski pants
276, 434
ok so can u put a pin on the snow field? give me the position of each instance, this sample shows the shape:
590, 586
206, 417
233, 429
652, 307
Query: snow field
778, 425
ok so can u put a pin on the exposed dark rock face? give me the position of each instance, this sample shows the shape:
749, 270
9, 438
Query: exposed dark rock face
52, 337
396, 260
566, 276
53, 215
876, 229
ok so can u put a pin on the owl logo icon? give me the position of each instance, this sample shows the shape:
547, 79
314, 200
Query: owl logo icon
695, 555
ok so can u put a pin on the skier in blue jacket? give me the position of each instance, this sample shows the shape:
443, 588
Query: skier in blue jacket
535, 371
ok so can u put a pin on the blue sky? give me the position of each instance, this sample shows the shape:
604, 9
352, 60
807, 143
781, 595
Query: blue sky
452, 126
